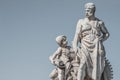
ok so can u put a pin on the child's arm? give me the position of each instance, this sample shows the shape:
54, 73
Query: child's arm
55, 55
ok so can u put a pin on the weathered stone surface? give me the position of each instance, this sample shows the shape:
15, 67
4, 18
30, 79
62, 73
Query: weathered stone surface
87, 61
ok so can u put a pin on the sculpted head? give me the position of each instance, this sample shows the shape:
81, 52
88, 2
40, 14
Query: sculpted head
89, 9
61, 40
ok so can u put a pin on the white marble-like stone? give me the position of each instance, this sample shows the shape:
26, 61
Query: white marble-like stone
87, 61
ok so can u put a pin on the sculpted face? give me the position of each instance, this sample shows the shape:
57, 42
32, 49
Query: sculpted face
62, 40
88, 12
89, 9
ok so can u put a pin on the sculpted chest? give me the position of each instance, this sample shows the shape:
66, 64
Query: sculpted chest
92, 27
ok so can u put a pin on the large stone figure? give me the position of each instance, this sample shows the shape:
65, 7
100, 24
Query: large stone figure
91, 33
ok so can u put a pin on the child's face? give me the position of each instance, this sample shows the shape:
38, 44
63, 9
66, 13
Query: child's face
64, 42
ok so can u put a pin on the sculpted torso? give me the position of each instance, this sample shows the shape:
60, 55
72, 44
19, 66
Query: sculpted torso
90, 30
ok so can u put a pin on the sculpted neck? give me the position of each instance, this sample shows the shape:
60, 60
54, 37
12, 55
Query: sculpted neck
90, 18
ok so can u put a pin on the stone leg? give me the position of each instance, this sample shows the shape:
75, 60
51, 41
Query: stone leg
81, 70
54, 74
61, 74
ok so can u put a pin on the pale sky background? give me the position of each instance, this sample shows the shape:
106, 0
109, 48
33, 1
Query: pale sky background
28, 29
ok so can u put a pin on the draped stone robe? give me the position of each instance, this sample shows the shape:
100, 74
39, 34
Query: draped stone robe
91, 48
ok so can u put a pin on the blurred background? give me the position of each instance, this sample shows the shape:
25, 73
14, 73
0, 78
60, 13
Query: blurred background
28, 29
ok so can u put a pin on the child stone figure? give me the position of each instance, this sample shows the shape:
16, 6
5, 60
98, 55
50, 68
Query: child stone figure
61, 58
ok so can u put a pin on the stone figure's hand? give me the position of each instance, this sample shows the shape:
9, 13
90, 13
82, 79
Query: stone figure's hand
60, 64
75, 50
100, 39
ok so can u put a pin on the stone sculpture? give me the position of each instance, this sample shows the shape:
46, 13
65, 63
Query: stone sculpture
60, 57
86, 61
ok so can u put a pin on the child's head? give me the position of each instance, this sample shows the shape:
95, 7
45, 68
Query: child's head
61, 40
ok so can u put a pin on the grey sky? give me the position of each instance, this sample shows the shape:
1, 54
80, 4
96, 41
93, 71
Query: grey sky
28, 29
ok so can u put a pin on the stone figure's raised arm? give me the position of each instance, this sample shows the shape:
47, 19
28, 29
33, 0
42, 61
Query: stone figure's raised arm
55, 55
77, 36
104, 31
